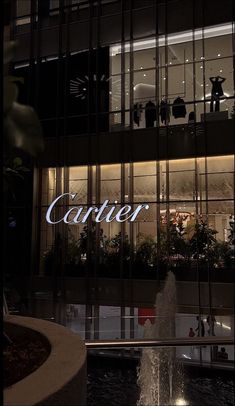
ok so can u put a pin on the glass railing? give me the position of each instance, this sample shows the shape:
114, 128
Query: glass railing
114, 121
147, 360
137, 327
113, 324
135, 323
109, 325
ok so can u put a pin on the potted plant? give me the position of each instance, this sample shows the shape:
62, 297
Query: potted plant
116, 250
202, 242
145, 256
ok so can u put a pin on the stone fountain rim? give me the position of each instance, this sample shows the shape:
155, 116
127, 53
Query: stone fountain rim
66, 359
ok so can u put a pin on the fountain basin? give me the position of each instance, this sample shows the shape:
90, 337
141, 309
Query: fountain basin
61, 379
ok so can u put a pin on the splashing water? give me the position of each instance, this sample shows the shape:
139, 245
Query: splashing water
160, 377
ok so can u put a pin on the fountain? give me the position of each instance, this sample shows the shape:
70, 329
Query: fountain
160, 376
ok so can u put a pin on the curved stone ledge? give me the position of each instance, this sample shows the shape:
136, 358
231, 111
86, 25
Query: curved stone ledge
61, 379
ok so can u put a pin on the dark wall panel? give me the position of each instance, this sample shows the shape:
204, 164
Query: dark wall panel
217, 138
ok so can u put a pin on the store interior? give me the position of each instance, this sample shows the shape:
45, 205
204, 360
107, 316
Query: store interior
189, 190
179, 68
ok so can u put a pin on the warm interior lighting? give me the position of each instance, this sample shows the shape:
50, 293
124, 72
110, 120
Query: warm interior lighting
181, 402
223, 325
175, 38
208, 96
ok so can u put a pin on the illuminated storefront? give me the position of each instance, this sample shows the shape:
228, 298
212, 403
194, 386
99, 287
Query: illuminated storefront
124, 92
180, 194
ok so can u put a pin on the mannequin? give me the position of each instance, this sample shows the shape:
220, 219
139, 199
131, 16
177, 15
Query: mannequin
191, 117
137, 113
178, 108
142, 94
150, 114
164, 111
216, 92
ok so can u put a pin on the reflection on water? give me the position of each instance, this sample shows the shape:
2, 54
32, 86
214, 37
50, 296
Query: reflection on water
208, 391
111, 386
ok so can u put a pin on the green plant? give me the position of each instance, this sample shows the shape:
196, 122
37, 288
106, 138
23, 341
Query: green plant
53, 256
73, 254
21, 130
231, 237
115, 249
88, 239
146, 250
221, 254
202, 241
178, 243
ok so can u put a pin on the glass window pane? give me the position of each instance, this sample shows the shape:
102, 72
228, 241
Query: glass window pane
144, 181
144, 59
110, 182
182, 179
78, 183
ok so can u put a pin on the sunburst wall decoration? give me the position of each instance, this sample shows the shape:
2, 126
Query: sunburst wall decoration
79, 86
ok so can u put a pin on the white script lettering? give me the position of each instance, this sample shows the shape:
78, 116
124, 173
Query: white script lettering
120, 216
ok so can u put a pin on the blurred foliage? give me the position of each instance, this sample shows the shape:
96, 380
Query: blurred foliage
202, 240
146, 250
174, 249
22, 128
22, 132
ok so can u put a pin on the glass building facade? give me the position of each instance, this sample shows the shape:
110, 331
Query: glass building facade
136, 100
103, 84
181, 194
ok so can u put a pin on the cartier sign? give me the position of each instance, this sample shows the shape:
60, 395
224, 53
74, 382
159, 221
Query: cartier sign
105, 212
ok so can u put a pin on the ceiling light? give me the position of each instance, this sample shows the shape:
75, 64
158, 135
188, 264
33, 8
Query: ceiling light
186, 60
219, 54
21, 65
221, 70
201, 67
145, 74
177, 38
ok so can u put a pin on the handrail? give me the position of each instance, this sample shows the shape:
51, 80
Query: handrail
167, 342
5, 306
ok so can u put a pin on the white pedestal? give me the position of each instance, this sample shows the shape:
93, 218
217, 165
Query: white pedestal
215, 116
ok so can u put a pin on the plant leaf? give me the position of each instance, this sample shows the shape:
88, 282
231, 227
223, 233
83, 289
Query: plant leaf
17, 79
10, 93
11, 173
17, 162
23, 129
8, 52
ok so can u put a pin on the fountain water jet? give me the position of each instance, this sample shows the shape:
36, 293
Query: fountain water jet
160, 377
